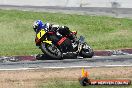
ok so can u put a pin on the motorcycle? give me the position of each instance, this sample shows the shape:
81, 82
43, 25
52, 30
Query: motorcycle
52, 49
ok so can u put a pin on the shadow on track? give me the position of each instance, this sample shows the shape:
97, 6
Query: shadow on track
45, 57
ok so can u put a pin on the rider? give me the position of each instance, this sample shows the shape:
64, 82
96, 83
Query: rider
60, 30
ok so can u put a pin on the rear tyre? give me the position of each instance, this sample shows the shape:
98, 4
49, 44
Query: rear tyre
51, 50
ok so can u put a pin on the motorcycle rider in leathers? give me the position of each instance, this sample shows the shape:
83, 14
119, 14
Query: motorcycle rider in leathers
59, 30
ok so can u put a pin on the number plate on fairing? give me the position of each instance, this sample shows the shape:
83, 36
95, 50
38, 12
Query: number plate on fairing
41, 33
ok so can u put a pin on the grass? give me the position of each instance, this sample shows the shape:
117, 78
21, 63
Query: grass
61, 78
75, 84
17, 36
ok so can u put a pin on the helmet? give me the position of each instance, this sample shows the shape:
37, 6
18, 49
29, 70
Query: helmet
37, 25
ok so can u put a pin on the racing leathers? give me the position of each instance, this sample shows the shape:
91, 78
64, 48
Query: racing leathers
61, 32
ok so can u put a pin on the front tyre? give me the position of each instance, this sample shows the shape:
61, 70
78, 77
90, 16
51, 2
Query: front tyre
86, 54
87, 51
51, 50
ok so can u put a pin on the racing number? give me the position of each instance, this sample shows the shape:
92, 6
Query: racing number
41, 33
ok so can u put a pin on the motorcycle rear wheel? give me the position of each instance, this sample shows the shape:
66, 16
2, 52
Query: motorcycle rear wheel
51, 50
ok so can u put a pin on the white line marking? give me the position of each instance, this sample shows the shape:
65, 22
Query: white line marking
66, 67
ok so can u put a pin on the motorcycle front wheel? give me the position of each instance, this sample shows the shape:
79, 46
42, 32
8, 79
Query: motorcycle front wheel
86, 54
87, 51
51, 50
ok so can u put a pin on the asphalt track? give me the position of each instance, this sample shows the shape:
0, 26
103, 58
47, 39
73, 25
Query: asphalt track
97, 61
114, 12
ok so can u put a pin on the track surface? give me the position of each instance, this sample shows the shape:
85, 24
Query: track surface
114, 12
104, 61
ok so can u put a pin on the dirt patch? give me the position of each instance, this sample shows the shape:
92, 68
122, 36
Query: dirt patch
34, 78
121, 33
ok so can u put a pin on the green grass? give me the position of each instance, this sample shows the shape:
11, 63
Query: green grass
17, 36
75, 84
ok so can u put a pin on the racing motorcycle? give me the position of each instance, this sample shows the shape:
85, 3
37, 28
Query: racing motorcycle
52, 48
